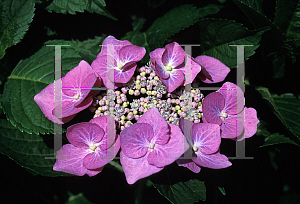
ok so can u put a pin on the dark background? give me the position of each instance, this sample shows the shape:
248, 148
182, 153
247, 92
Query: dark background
271, 177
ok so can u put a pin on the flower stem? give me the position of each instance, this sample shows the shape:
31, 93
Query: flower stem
116, 165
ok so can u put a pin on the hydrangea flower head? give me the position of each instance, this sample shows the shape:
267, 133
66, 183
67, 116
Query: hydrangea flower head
212, 70
225, 107
204, 141
149, 145
91, 147
169, 65
117, 60
76, 94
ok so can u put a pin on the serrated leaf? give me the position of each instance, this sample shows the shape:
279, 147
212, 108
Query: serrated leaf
91, 45
28, 150
16, 17
73, 6
171, 23
252, 9
254, 4
30, 77
276, 138
289, 107
216, 36
271, 138
287, 17
190, 191
264, 92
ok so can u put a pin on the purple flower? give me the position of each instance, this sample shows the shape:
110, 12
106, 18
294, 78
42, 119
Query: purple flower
117, 60
149, 145
204, 141
76, 94
169, 66
91, 147
225, 107
212, 70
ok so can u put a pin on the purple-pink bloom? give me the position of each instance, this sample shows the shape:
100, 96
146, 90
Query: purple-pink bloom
212, 70
225, 107
149, 145
204, 141
91, 147
169, 65
76, 94
117, 60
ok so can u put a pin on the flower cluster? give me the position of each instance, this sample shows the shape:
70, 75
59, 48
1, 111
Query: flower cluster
157, 122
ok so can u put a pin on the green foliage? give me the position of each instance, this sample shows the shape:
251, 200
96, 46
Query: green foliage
288, 106
171, 23
222, 190
28, 150
77, 199
272, 138
91, 45
287, 17
186, 192
253, 10
14, 22
254, 4
216, 35
29, 78
72, 6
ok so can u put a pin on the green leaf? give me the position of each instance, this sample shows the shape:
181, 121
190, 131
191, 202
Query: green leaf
91, 45
222, 190
289, 107
271, 138
294, 103
171, 23
14, 22
30, 77
287, 17
72, 6
183, 192
276, 138
77, 199
254, 4
253, 11
28, 150
216, 36
137, 22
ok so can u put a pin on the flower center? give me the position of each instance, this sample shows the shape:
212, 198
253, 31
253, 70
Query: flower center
77, 97
93, 147
151, 146
223, 115
119, 66
168, 68
195, 148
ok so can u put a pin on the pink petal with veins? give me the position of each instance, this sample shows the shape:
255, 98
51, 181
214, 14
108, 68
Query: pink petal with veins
206, 137
84, 134
212, 106
173, 55
213, 161
213, 71
159, 125
135, 140
131, 53
71, 161
234, 98
174, 81
163, 155
136, 169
